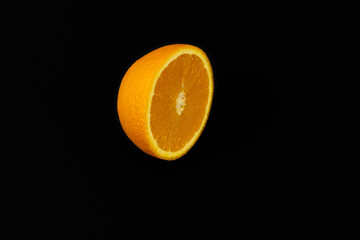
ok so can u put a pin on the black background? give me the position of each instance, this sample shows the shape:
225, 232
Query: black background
276, 159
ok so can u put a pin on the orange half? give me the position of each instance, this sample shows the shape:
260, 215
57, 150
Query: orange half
165, 98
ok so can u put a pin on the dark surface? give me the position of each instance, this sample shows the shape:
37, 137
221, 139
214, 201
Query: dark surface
276, 159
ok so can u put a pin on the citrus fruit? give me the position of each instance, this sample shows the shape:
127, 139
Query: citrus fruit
165, 98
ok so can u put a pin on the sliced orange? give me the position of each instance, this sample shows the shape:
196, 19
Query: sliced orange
165, 98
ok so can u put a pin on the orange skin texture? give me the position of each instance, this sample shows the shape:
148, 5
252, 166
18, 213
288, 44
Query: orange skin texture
134, 97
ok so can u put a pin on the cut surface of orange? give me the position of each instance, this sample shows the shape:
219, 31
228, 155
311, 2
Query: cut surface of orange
165, 98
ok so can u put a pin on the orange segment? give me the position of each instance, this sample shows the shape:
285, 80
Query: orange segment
165, 98
179, 103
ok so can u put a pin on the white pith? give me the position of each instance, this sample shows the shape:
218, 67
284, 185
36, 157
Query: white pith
180, 103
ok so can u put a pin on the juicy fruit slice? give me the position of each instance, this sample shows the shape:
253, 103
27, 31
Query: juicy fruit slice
179, 103
165, 98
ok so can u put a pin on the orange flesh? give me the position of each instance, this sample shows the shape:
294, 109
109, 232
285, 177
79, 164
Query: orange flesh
179, 103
